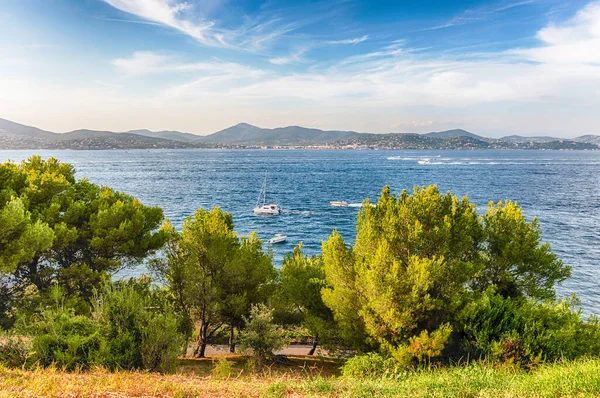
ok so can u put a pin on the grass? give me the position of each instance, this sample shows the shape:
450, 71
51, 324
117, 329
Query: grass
307, 377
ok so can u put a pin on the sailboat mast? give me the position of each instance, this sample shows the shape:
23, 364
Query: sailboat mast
265, 189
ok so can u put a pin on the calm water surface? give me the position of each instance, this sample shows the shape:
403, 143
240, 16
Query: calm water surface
561, 188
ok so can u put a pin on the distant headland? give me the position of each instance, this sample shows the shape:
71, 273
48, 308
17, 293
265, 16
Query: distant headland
243, 135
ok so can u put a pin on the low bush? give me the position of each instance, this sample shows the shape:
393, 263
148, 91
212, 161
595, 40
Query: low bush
372, 365
14, 350
222, 368
64, 339
161, 343
123, 332
261, 334
137, 333
526, 333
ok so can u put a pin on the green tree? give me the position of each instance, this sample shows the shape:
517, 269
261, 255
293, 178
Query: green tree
247, 280
302, 279
419, 259
214, 276
20, 239
261, 334
95, 230
515, 260
341, 294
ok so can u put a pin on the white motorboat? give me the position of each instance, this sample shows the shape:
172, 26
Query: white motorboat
336, 203
266, 209
278, 238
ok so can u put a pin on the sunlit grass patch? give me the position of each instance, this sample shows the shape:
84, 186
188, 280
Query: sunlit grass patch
564, 379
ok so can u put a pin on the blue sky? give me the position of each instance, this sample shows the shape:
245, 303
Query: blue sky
496, 67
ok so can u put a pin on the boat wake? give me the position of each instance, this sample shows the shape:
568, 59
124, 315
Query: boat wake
299, 212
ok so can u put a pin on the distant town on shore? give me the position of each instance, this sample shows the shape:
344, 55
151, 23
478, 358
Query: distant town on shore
245, 136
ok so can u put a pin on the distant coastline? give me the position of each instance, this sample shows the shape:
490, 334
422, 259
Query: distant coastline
15, 136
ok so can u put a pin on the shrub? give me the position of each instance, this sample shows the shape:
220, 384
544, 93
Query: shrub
555, 331
123, 332
486, 320
14, 351
261, 334
371, 365
250, 365
120, 311
67, 340
527, 332
161, 343
222, 368
135, 336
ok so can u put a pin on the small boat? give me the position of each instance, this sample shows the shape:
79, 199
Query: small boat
336, 203
266, 209
278, 238
424, 161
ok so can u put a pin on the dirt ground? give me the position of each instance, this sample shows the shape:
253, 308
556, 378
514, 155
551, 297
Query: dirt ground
288, 350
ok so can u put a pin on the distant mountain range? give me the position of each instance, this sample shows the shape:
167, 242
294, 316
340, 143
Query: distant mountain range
243, 135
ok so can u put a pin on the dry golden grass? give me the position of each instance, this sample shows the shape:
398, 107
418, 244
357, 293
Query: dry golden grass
308, 378
193, 379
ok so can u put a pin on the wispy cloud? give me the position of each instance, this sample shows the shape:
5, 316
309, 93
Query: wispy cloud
168, 13
181, 16
348, 41
130, 21
479, 14
395, 76
289, 59
148, 62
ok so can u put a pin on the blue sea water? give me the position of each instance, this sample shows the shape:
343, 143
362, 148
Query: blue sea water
561, 188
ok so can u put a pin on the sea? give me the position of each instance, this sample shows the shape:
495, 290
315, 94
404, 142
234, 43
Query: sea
560, 188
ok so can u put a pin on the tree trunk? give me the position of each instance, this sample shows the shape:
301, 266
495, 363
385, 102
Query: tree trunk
201, 346
202, 350
314, 345
231, 341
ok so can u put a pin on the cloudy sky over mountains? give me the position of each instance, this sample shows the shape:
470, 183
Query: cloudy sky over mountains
492, 67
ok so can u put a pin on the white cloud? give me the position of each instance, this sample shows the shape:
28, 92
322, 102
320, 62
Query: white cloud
167, 12
479, 14
251, 36
576, 42
356, 40
290, 59
142, 62
148, 62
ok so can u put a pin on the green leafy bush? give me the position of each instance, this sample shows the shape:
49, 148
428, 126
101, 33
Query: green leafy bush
161, 343
556, 331
222, 368
14, 350
526, 332
261, 334
371, 365
136, 335
124, 332
67, 340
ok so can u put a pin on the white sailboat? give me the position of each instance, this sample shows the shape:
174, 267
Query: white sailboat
266, 209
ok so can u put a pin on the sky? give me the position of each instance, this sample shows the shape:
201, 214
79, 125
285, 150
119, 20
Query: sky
494, 67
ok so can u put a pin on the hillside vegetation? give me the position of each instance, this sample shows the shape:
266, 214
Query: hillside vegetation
244, 135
